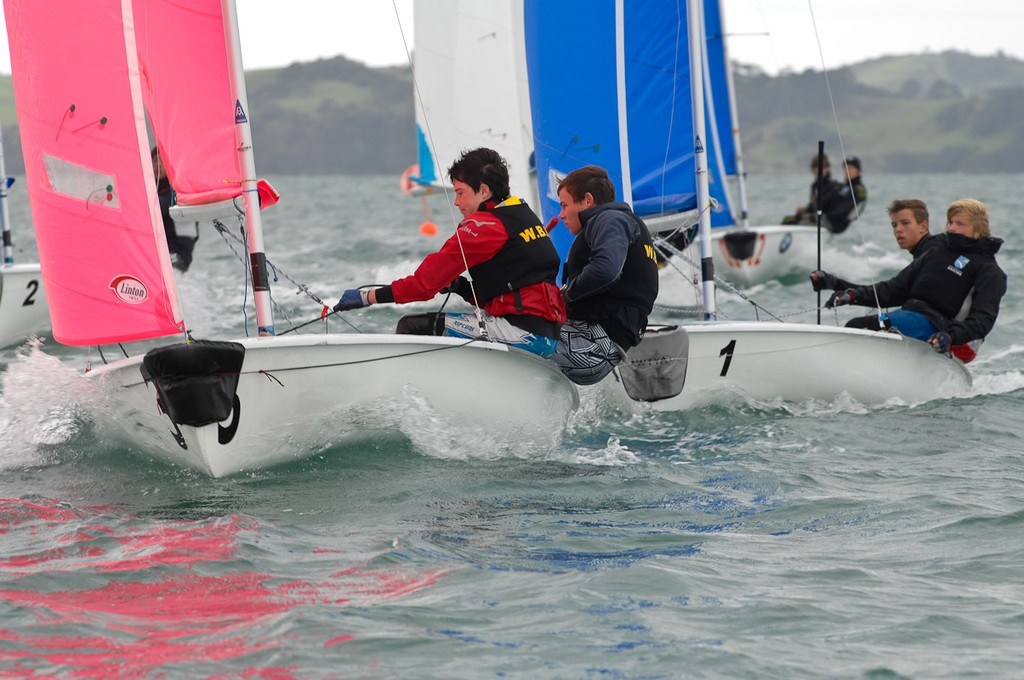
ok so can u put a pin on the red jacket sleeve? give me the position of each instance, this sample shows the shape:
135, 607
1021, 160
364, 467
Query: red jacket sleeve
480, 236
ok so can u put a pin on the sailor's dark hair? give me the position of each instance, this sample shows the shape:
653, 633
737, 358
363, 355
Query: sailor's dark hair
915, 205
482, 166
590, 179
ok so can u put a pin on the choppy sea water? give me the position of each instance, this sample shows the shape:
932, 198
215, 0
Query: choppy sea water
750, 539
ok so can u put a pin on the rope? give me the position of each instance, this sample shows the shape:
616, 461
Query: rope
842, 146
444, 187
376, 359
271, 376
301, 287
667, 248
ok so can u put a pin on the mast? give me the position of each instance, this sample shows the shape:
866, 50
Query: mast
695, 28
247, 165
5, 218
734, 119
620, 82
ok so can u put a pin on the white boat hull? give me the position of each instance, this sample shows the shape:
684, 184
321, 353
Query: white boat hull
797, 362
23, 308
778, 251
298, 395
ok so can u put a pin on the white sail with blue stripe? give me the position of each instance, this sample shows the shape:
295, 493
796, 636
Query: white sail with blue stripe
615, 91
610, 86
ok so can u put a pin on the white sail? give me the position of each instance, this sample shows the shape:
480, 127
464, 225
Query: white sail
469, 66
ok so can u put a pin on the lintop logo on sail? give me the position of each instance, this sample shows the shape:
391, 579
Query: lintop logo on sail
129, 289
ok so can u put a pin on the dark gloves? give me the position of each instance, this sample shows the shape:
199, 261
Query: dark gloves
823, 280
840, 298
352, 299
941, 342
461, 287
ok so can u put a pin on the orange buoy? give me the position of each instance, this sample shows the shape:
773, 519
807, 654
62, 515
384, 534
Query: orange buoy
428, 229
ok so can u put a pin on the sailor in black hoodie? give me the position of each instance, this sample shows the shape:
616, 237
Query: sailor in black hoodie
932, 290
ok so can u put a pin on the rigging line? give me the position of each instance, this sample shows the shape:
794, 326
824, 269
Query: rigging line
302, 287
694, 267
668, 249
692, 312
842, 147
433, 148
304, 367
224, 233
319, 319
345, 319
373, 360
426, 124
672, 106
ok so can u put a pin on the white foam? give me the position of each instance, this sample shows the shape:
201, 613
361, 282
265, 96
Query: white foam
40, 401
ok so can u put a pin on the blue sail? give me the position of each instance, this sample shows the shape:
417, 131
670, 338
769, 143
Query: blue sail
610, 86
426, 161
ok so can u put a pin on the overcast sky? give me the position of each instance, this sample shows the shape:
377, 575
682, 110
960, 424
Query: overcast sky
774, 34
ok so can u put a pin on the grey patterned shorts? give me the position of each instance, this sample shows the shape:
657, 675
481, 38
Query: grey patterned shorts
585, 353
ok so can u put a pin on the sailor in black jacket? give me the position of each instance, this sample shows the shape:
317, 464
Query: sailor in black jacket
932, 290
611, 277
909, 218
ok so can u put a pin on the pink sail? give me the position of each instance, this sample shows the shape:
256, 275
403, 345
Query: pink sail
90, 178
187, 91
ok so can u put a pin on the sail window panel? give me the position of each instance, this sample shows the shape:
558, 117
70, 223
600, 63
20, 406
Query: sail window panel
77, 181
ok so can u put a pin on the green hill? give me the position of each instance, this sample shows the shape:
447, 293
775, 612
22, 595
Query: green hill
945, 112
936, 73
948, 112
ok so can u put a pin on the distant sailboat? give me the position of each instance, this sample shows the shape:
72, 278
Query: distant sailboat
640, 113
82, 74
460, 45
23, 309
743, 253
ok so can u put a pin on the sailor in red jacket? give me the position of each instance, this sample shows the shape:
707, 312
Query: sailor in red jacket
512, 267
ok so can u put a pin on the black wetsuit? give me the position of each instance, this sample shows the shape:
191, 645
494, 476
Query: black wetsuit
937, 283
841, 207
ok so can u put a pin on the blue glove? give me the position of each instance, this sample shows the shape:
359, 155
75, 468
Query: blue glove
840, 298
941, 342
352, 299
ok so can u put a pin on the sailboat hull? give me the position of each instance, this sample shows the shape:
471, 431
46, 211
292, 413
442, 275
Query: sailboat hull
751, 256
300, 395
23, 308
794, 362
